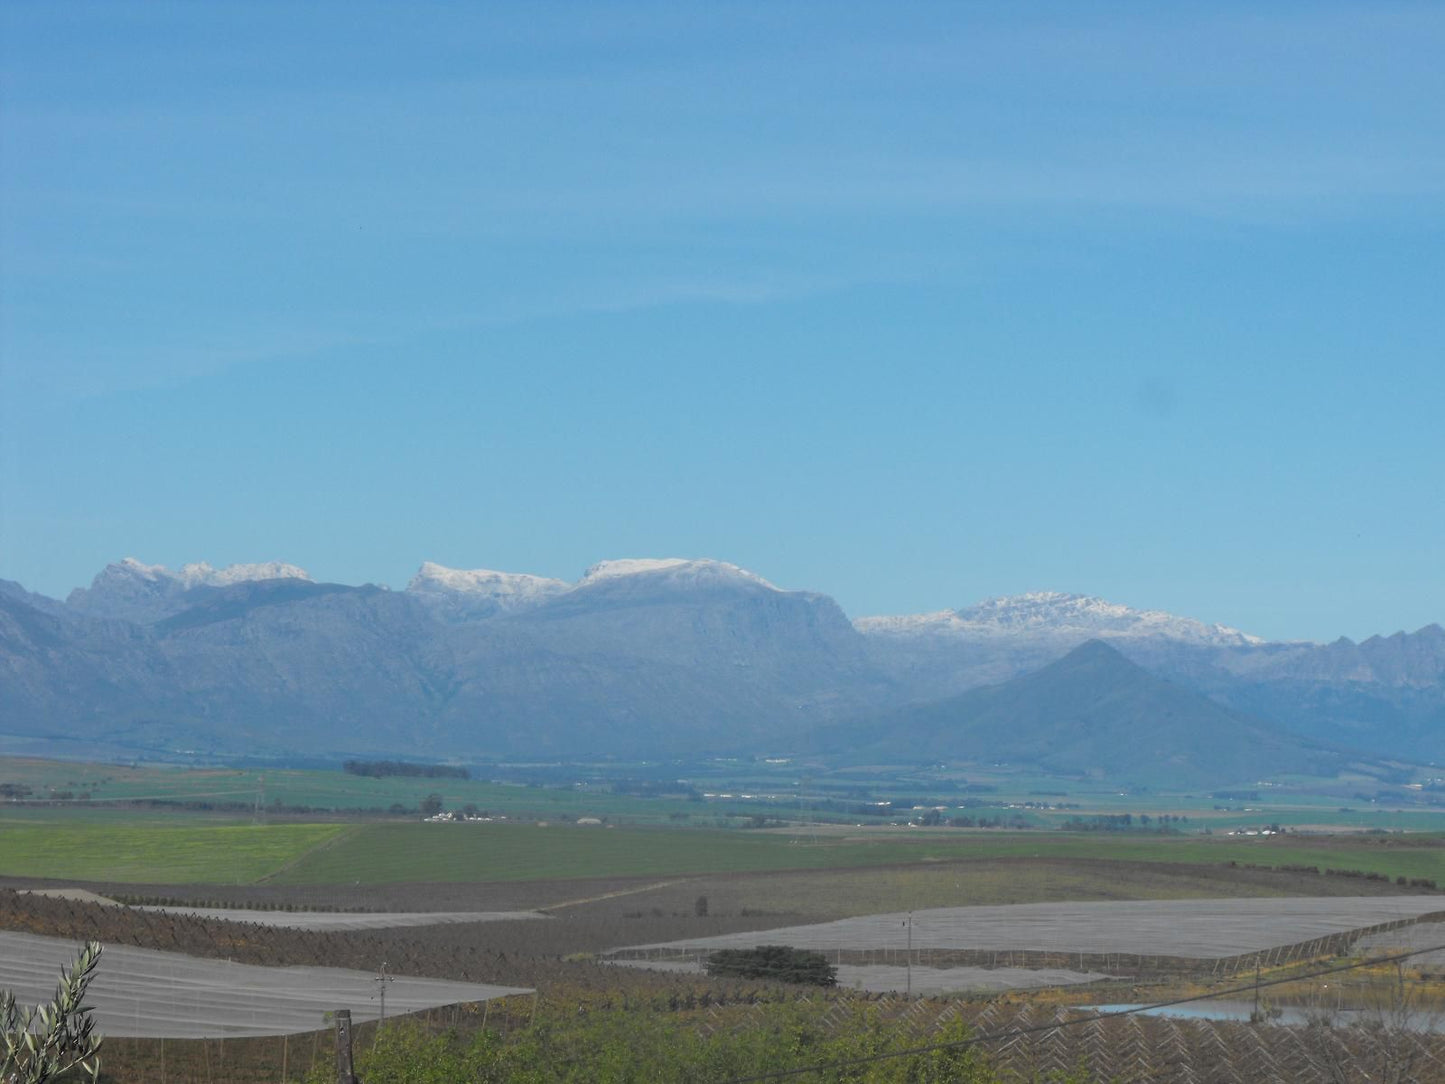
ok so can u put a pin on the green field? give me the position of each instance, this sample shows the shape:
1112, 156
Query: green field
76, 786
82, 849
390, 853
58, 833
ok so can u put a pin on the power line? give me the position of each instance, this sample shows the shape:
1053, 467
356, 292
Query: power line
958, 1044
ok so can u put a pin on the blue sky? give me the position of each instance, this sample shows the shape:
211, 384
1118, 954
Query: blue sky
910, 307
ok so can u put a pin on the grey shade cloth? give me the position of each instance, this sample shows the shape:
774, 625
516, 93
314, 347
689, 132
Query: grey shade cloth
1198, 929
151, 994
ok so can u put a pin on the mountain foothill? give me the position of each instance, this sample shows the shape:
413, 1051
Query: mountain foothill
673, 658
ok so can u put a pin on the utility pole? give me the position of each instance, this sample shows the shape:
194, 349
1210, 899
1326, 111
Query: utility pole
806, 806
382, 978
344, 1074
908, 962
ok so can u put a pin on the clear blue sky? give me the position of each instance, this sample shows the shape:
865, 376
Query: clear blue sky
909, 304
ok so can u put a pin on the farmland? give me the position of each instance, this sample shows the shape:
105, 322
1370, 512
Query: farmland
705, 794
410, 852
118, 850
335, 921
249, 886
582, 1008
71, 847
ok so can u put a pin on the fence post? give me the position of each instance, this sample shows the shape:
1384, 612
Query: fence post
344, 1075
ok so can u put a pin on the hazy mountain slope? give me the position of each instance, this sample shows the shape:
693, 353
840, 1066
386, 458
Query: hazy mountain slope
12, 590
1092, 712
76, 679
254, 668
1386, 695
690, 657
1405, 723
312, 667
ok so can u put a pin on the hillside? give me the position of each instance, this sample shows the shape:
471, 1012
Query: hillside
1093, 713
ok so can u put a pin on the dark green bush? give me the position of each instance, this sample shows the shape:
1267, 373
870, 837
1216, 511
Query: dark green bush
778, 962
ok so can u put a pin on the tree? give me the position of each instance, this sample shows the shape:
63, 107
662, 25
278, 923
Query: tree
431, 805
42, 1043
779, 962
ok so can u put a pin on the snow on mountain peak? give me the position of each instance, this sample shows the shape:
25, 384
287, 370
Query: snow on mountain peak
469, 594
1057, 613
475, 594
200, 574
130, 566
203, 573
678, 570
432, 577
132, 590
631, 566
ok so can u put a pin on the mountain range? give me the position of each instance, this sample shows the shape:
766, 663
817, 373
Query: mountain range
644, 658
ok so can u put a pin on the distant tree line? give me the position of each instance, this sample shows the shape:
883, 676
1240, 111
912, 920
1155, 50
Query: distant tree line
17, 792
657, 788
1364, 875
1012, 821
1124, 822
378, 769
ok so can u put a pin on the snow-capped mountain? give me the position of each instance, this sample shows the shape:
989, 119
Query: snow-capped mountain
473, 594
639, 656
202, 574
130, 590
1055, 614
481, 592
675, 568
674, 573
